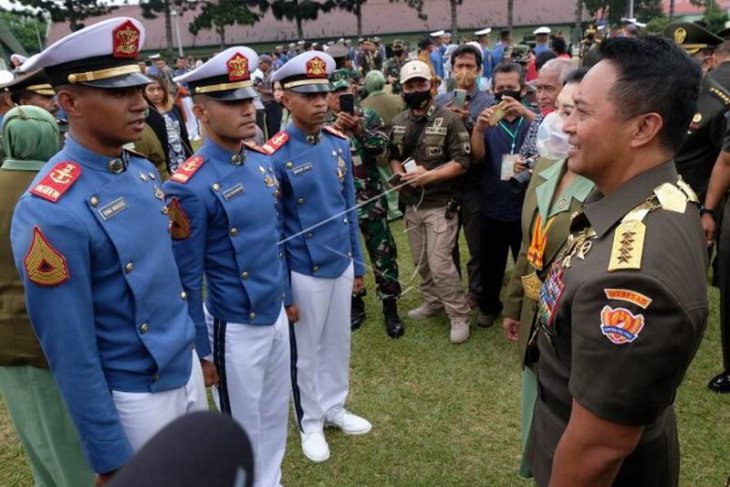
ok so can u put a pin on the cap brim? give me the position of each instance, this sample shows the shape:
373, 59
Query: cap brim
313, 88
124, 81
232, 95
414, 76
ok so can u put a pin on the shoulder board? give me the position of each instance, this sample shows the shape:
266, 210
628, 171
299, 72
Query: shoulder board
630, 236
671, 198
718, 92
57, 181
254, 146
334, 131
187, 169
276, 142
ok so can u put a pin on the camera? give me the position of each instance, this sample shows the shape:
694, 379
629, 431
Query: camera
519, 182
452, 208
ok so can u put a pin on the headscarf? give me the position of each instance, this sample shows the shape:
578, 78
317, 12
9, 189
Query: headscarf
374, 81
30, 135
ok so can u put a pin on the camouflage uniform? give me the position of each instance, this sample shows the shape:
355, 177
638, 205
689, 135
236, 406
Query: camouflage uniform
392, 68
373, 215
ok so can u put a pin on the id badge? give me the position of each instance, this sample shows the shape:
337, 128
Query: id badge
508, 166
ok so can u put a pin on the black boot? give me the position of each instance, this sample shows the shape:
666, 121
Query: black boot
357, 314
393, 324
720, 383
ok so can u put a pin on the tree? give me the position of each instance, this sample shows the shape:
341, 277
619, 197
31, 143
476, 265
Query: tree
617, 9
300, 10
151, 8
510, 14
218, 15
72, 11
27, 29
671, 10
454, 21
355, 7
416, 5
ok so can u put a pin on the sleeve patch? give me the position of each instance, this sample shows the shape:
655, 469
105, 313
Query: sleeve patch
57, 181
628, 296
44, 265
620, 325
187, 169
179, 221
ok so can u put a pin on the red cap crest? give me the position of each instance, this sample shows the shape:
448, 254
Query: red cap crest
126, 40
316, 68
238, 68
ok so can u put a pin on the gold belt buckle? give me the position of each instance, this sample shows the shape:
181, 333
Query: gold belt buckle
531, 284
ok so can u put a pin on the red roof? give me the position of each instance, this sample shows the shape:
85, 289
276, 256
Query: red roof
379, 17
685, 7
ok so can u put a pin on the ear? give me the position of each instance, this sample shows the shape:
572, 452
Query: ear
200, 111
285, 100
646, 129
67, 100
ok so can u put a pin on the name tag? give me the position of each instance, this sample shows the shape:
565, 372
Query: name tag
113, 209
436, 131
303, 168
231, 193
399, 129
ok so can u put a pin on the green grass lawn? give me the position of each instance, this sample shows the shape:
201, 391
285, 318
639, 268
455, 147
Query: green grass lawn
448, 415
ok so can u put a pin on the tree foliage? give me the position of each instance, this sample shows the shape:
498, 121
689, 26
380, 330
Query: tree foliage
72, 11
615, 10
28, 29
217, 15
300, 11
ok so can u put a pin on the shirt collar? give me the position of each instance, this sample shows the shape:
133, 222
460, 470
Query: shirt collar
545, 191
218, 153
299, 135
604, 211
78, 153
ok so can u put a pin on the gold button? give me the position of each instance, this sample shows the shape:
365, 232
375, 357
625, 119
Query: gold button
144, 328
129, 267
155, 377
94, 201
345, 220
300, 201
183, 295
244, 275
252, 316
152, 175
234, 231
216, 186
289, 165
115, 165
164, 210
236, 159
315, 268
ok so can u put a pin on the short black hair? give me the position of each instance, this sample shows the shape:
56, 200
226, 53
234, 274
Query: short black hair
466, 49
509, 67
655, 75
544, 57
575, 76
559, 46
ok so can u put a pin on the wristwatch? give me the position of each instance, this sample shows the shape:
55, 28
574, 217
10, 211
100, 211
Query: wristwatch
708, 211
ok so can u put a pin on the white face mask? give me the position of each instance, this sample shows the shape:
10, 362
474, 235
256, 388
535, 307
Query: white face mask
552, 142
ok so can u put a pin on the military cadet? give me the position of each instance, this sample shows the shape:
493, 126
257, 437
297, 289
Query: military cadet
392, 68
368, 139
90, 239
695, 159
438, 143
624, 304
322, 241
222, 205
36, 408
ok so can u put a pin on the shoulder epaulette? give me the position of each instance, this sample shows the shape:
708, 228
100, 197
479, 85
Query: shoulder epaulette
187, 169
630, 236
671, 198
57, 181
276, 142
717, 91
254, 146
334, 131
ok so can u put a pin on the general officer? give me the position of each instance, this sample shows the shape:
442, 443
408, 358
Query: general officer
90, 239
624, 304
368, 140
323, 254
222, 205
695, 159
40, 416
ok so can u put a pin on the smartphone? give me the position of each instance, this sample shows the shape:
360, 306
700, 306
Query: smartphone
409, 164
347, 103
459, 98
395, 179
498, 113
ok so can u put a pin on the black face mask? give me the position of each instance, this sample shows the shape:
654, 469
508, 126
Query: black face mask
513, 94
397, 52
418, 99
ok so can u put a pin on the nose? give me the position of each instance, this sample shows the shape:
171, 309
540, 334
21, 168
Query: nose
569, 123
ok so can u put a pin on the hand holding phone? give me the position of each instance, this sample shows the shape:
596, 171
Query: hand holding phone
459, 98
347, 103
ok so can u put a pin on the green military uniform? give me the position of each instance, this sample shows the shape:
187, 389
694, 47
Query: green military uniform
545, 227
621, 315
392, 67
34, 402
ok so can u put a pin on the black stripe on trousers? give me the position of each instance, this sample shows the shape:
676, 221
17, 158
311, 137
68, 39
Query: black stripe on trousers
294, 385
219, 358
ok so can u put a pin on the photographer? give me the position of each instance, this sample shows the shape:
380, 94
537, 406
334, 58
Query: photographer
498, 134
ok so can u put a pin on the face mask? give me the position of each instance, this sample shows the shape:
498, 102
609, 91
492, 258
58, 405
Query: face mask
465, 77
397, 52
418, 99
514, 94
552, 142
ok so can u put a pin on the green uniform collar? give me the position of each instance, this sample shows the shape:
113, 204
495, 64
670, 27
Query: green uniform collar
16, 165
545, 191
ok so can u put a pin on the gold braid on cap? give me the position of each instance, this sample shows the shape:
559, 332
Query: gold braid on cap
74, 78
304, 82
44, 89
223, 87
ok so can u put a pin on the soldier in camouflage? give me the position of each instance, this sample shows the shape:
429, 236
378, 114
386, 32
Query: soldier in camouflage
368, 139
392, 68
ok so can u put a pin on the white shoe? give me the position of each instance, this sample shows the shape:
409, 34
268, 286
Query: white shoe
424, 311
315, 447
350, 424
459, 332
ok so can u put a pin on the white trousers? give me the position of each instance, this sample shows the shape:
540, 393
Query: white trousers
254, 368
321, 347
144, 414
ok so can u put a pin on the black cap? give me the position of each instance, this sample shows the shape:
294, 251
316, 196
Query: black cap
692, 37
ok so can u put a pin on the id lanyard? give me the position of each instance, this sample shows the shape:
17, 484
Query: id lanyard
512, 135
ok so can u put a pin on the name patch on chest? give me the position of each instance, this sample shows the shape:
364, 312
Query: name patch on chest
301, 169
436, 130
231, 193
113, 209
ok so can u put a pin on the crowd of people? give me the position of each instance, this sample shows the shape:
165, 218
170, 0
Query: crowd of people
171, 230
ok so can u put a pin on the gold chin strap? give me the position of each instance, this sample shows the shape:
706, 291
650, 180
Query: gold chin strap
304, 82
44, 89
223, 87
103, 74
